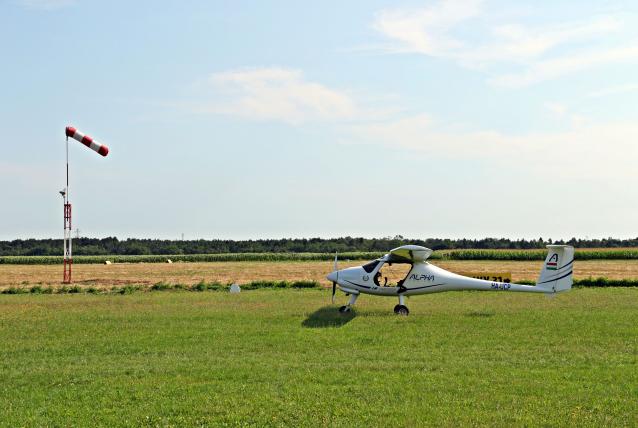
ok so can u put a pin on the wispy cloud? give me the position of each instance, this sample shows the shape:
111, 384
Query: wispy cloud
614, 90
557, 109
45, 4
557, 67
563, 153
426, 30
562, 113
462, 31
274, 93
284, 95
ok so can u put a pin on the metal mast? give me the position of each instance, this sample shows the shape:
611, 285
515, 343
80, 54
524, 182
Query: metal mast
68, 245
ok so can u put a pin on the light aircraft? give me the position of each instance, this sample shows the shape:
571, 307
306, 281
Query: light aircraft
424, 278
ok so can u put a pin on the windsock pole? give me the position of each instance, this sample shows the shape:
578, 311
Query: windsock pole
68, 248
68, 245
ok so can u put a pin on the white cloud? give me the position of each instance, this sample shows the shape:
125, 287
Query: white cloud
614, 90
45, 4
522, 45
276, 94
282, 94
557, 109
462, 31
585, 150
553, 68
426, 30
562, 113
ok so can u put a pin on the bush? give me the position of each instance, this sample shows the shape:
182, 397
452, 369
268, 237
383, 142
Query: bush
605, 282
161, 286
128, 289
14, 290
200, 286
254, 285
216, 286
305, 284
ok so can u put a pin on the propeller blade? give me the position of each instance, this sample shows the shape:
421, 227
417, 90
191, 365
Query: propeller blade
334, 290
336, 267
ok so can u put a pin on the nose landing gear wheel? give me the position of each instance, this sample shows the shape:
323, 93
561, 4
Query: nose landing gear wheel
344, 309
401, 310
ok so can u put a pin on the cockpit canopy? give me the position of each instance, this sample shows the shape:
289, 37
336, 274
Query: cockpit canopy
406, 254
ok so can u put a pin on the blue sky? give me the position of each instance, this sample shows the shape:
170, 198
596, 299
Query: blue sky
459, 118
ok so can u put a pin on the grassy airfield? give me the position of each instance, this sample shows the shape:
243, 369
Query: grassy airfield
286, 358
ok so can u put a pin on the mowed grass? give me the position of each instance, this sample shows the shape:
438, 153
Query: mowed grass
287, 358
242, 272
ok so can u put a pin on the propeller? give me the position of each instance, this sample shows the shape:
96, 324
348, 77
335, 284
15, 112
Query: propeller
334, 283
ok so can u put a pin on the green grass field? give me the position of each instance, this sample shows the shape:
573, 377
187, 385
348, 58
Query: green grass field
286, 358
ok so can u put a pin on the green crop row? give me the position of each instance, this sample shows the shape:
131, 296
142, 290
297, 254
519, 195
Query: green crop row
523, 255
516, 255
225, 257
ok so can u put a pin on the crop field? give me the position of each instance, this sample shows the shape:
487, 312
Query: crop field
519, 255
146, 274
287, 358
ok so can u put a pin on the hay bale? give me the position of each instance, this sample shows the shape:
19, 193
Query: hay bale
107, 262
169, 261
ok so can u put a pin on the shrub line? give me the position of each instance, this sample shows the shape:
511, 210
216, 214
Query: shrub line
161, 286
253, 285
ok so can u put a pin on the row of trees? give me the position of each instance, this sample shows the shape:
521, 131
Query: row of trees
114, 246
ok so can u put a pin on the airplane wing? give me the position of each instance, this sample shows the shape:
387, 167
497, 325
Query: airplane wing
409, 254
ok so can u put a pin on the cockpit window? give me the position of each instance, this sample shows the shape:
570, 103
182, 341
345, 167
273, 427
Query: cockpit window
370, 266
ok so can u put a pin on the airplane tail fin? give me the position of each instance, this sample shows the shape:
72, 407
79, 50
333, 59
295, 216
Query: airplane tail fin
557, 273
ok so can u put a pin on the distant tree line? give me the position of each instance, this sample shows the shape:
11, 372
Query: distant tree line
114, 246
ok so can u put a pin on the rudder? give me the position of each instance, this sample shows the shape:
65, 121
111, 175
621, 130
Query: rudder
557, 273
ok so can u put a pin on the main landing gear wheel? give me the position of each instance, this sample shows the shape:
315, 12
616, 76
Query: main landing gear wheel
344, 309
401, 310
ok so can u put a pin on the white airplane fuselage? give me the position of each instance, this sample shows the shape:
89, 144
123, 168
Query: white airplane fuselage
423, 278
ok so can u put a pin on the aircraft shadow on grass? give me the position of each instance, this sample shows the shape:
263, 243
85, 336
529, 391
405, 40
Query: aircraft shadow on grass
328, 316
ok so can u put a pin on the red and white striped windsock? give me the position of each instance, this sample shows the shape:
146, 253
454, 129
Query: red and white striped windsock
87, 141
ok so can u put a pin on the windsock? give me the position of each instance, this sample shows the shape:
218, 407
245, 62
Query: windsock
87, 141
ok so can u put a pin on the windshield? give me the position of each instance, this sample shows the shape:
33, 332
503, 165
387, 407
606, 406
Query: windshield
392, 274
370, 266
